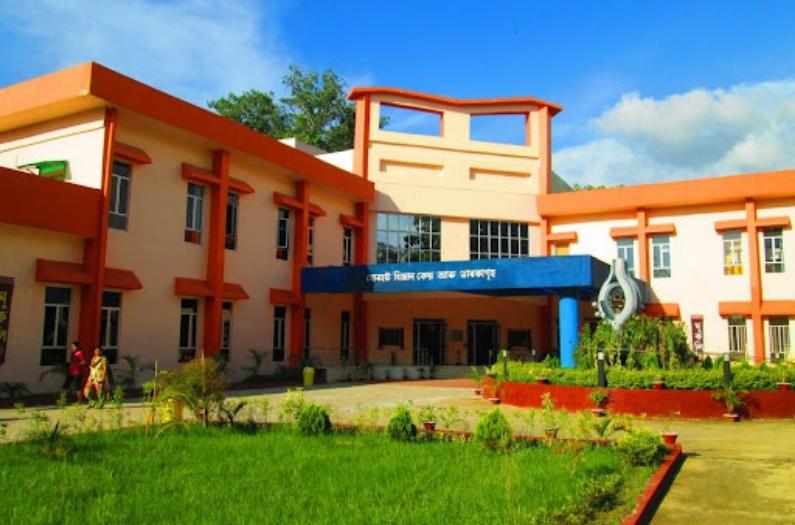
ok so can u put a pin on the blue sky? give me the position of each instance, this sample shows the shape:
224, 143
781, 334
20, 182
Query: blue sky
651, 91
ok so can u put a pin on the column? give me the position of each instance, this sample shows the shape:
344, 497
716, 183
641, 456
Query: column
569, 322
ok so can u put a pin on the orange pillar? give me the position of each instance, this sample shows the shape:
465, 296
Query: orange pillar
95, 250
301, 243
359, 304
219, 195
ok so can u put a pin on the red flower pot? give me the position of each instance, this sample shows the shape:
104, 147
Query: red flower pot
732, 418
670, 438
542, 381
430, 426
478, 391
658, 385
784, 386
494, 400
598, 412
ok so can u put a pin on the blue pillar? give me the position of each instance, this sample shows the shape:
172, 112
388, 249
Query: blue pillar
569, 322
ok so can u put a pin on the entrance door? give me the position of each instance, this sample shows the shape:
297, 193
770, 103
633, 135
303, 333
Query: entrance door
483, 342
430, 343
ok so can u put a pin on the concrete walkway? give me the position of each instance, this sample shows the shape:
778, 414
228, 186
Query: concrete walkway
734, 473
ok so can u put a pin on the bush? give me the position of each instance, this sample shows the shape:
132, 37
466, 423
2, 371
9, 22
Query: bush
401, 426
598, 495
641, 448
314, 420
494, 432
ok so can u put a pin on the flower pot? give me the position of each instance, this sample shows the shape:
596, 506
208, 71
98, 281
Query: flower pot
670, 438
430, 426
494, 400
542, 381
598, 412
784, 386
551, 432
658, 385
478, 391
732, 418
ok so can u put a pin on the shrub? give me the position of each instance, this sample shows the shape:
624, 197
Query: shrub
314, 420
197, 384
293, 405
494, 432
641, 447
401, 426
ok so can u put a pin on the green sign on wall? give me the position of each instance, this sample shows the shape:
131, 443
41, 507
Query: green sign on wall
6, 290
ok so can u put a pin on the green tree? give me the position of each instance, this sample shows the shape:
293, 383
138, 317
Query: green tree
315, 110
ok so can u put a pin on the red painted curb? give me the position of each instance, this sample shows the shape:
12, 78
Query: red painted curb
759, 404
656, 486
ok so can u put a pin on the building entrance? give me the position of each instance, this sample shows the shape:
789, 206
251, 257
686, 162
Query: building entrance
483, 342
430, 342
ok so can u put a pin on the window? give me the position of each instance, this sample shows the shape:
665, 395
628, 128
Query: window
310, 247
778, 334
500, 129
625, 249
347, 246
520, 338
109, 325
732, 253
283, 234
738, 335
232, 203
119, 195
661, 255
410, 120
407, 238
194, 213
561, 249
390, 337
345, 335
56, 326
279, 316
307, 332
226, 329
774, 250
497, 240
189, 312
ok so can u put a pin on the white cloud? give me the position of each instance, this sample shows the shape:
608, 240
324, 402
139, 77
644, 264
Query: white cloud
195, 49
700, 133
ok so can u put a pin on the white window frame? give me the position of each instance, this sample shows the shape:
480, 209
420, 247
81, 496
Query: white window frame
119, 207
773, 241
230, 233
191, 316
347, 246
283, 222
106, 336
738, 335
279, 322
310, 246
733, 252
61, 316
194, 222
226, 329
623, 245
661, 256
779, 337
501, 239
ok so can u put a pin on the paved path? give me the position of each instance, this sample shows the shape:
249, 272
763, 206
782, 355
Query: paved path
741, 473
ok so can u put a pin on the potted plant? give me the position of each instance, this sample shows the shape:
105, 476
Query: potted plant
495, 398
477, 376
428, 418
658, 384
733, 400
599, 398
669, 437
549, 417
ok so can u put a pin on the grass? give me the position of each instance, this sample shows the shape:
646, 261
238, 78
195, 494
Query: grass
222, 476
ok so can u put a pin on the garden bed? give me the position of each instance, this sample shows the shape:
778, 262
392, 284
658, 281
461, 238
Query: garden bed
684, 403
276, 476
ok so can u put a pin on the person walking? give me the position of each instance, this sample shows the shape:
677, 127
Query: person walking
97, 375
74, 376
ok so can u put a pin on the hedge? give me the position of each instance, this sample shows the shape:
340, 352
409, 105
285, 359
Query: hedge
745, 377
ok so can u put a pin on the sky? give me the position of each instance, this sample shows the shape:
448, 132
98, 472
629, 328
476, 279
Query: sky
651, 91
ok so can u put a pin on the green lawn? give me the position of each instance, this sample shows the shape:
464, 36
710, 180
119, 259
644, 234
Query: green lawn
279, 477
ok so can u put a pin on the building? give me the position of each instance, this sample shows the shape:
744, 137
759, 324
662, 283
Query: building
173, 231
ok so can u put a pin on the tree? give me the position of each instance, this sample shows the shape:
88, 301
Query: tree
316, 110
